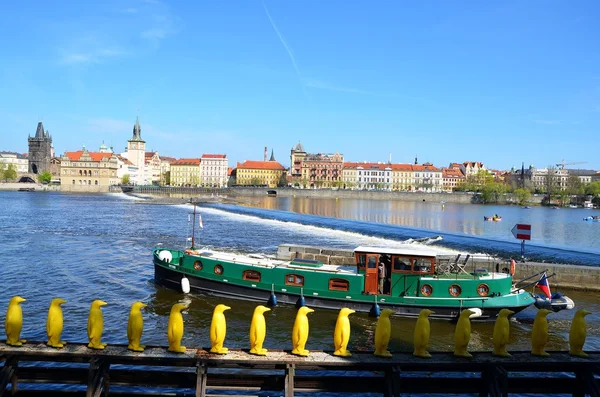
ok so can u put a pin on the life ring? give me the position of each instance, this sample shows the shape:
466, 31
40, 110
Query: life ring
218, 269
513, 265
198, 265
426, 290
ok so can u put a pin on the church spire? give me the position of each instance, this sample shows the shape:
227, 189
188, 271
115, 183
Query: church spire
137, 130
272, 156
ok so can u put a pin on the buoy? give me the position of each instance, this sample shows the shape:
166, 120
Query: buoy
300, 302
272, 299
375, 309
185, 285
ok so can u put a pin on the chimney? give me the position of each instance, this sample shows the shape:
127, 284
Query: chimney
265, 157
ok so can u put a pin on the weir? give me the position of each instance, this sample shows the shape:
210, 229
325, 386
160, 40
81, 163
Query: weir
575, 277
37, 370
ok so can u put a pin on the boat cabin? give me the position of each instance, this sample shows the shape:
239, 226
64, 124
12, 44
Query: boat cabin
387, 270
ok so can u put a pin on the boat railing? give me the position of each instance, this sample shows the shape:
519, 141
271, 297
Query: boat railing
470, 264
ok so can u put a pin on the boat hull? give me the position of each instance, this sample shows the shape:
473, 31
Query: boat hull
171, 279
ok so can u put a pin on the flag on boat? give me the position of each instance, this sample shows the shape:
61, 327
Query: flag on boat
200, 222
544, 286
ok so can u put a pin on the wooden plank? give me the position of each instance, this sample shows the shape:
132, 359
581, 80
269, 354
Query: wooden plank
290, 372
7, 373
201, 380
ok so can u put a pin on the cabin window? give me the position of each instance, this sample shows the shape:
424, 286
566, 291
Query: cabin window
218, 269
426, 289
338, 284
372, 264
251, 275
294, 279
401, 264
198, 265
422, 265
361, 261
483, 290
455, 290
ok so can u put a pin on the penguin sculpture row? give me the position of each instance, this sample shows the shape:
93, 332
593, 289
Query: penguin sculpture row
300, 330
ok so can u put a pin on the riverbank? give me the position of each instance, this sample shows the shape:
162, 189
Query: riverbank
573, 277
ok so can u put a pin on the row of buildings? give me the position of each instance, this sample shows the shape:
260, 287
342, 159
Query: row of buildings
85, 170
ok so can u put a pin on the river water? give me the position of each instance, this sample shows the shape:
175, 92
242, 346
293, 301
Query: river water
86, 247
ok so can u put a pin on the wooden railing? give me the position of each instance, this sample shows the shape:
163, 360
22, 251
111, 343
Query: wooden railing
28, 370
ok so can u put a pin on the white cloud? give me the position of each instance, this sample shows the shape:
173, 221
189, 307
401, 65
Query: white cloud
90, 55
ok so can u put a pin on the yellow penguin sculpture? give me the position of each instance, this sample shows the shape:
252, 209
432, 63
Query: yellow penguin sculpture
501, 333
539, 333
135, 327
383, 332
14, 322
96, 325
341, 335
421, 337
175, 330
462, 334
258, 330
300, 332
578, 333
218, 329
54, 323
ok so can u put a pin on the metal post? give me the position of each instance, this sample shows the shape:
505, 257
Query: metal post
522, 250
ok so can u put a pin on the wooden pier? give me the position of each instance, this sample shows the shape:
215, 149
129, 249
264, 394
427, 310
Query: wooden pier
29, 370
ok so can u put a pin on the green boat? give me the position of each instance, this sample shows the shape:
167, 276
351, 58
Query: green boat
404, 280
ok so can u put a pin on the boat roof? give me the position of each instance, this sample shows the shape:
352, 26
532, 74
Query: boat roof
396, 251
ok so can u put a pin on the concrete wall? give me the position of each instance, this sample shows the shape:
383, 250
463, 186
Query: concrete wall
35, 186
585, 278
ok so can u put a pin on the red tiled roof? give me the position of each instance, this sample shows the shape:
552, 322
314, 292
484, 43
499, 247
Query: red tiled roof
229, 171
214, 156
96, 156
168, 159
261, 165
424, 168
186, 162
455, 165
149, 154
452, 172
402, 167
124, 160
380, 166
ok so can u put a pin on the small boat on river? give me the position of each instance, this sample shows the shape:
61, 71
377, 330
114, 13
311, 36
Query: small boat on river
404, 280
594, 218
494, 218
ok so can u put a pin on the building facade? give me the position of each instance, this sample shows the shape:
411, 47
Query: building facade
427, 178
369, 176
84, 171
165, 170
452, 178
126, 167
540, 177
260, 173
40, 151
402, 177
152, 168
185, 172
17, 160
296, 158
213, 170
469, 168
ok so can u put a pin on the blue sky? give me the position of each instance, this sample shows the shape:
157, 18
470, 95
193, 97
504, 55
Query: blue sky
495, 81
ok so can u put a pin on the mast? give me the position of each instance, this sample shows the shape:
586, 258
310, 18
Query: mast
194, 226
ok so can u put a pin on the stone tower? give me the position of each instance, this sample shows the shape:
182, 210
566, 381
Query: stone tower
40, 150
136, 147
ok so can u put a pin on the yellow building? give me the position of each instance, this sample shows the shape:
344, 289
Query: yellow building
260, 173
185, 172
402, 177
84, 171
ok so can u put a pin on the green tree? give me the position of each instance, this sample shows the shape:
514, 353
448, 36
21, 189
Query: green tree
593, 188
283, 180
574, 185
45, 177
522, 195
2, 170
256, 181
10, 174
125, 180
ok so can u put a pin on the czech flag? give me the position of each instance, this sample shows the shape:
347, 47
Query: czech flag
544, 286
